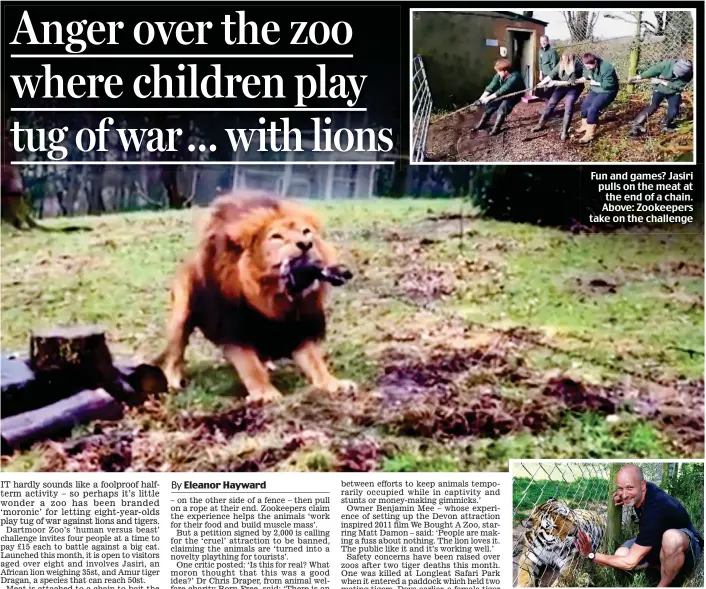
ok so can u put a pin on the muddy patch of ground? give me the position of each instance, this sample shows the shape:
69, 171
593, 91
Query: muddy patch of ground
578, 396
680, 269
447, 394
677, 406
110, 451
249, 419
597, 285
450, 138
426, 284
433, 388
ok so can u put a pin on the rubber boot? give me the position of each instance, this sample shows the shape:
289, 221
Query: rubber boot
498, 123
637, 124
668, 125
590, 134
540, 125
483, 122
566, 123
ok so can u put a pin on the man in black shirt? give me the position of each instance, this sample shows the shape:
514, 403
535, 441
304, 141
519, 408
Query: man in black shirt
667, 539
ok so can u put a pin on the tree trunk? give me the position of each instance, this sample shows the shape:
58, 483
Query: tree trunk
96, 206
665, 475
614, 511
675, 475
169, 178
659, 17
75, 358
635, 52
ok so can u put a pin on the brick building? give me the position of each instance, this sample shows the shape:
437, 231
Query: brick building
459, 49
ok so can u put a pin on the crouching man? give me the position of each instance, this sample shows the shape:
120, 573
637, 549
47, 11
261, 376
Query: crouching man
504, 82
667, 540
669, 78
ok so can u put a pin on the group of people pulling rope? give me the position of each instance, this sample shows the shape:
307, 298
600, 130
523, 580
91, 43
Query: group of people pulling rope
564, 78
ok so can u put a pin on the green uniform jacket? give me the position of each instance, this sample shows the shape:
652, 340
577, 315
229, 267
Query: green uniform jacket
578, 73
605, 75
513, 83
548, 59
665, 70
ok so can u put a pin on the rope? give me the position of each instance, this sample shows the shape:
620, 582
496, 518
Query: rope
473, 104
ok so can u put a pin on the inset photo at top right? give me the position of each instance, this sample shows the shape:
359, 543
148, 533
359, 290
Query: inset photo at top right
552, 86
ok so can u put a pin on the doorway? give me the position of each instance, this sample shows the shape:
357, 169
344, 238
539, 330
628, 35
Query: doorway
521, 53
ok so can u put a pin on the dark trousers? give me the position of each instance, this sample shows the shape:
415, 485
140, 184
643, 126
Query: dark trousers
673, 102
594, 103
543, 93
569, 94
503, 106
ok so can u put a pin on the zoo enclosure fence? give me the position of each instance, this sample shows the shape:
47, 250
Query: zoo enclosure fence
421, 109
670, 36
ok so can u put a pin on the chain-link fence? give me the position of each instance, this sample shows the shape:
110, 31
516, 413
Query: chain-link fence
550, 496
79, 190
664, 35
575, 485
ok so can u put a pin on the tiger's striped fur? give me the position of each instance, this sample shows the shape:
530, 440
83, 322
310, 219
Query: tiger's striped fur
551, 531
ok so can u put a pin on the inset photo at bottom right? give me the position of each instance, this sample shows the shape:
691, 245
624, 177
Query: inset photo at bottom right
592, 523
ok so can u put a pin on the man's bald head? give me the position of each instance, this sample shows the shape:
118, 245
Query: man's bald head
633, 470
631, 484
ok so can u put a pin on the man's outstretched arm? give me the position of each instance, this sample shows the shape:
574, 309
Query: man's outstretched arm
624, 562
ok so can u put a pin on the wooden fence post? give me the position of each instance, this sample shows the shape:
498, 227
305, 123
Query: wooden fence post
665, 476
614, 511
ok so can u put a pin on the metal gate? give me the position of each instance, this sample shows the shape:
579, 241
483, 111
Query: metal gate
421, 109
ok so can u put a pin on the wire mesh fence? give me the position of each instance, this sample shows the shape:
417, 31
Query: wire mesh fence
571, 486
552, 500
664, 35
421, 109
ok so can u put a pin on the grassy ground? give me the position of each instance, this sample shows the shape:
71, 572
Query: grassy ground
473, 342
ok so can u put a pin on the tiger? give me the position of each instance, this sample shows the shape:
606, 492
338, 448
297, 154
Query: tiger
551, 531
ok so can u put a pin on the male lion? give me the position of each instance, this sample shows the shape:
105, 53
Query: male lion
234, 289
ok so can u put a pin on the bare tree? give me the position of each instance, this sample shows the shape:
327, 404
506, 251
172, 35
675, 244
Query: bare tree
676, 25
581, 24
661, 17
637, 17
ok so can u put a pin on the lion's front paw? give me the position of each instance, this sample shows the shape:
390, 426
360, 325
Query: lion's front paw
266, 395
340, 386
175, 378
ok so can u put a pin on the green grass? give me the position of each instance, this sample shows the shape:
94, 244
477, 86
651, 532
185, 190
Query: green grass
526, 492
420, 293
412, 463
